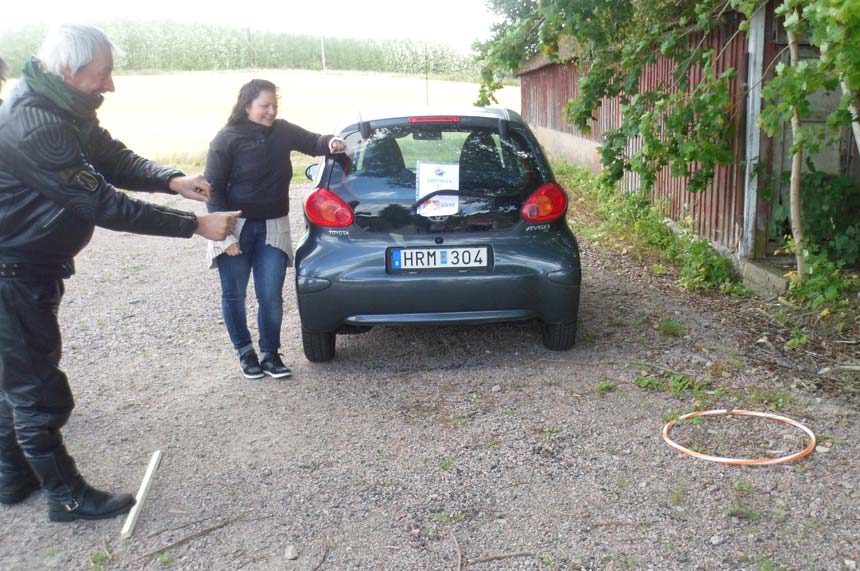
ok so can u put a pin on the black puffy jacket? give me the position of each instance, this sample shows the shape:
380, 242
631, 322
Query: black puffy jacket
57, 178
249, 166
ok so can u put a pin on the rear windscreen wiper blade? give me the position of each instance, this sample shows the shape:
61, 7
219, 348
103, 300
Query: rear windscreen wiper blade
446, 192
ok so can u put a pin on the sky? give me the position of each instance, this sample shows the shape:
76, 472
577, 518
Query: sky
457, 23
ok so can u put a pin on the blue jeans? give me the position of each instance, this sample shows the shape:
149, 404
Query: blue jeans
269, 265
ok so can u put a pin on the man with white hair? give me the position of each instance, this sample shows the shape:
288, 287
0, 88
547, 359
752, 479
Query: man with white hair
58, 169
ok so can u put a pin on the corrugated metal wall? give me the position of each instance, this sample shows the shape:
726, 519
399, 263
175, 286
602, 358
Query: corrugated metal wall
717, 212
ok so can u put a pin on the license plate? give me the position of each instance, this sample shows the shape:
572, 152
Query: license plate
438, 258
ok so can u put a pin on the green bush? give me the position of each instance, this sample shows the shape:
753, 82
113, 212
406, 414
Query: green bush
631, 215
823, 282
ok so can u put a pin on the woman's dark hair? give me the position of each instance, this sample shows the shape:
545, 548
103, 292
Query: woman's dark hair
247, 94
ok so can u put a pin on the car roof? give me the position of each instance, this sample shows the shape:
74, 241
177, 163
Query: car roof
395, 113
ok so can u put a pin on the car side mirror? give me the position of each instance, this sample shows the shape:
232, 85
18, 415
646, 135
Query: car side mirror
311, 171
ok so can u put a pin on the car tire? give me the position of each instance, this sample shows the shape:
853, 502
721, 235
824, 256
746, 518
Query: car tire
559, 336
319, 347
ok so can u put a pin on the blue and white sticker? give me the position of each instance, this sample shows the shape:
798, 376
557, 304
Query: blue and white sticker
395, 260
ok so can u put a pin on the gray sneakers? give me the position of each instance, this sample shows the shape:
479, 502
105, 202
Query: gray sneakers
274, 367
250, 365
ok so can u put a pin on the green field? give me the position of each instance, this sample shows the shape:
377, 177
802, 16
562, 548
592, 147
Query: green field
172, 117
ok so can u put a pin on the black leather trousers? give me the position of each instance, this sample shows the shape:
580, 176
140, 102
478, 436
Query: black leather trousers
35, 397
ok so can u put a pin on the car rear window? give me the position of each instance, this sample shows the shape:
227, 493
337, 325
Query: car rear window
436, 178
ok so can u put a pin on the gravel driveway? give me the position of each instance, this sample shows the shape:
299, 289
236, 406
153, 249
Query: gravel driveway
434, 449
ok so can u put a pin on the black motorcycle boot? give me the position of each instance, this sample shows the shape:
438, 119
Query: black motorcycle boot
69, 496
17, 480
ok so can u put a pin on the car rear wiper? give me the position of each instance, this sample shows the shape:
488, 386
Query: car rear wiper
448, 192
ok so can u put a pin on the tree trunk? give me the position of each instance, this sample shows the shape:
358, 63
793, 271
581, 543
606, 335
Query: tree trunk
796, 174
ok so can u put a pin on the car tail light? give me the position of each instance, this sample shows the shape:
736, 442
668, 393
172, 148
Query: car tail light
325, 208
546, 203
435, 119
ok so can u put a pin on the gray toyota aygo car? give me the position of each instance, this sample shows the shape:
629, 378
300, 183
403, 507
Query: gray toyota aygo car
432, 219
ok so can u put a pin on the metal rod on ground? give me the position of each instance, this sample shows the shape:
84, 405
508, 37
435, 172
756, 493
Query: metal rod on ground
131, 520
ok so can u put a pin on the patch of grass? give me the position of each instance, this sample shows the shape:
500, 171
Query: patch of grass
549, 434
99, 559
742, 487
166, 558
618, 322
828, 440
659, 269
741, 511
768, 564
457, 421
446, 464
671, 328
187, 162
446, 517
798, 339
630, 223
648, 382
604, 387
678, 383
679, 495
618, 486
773, 400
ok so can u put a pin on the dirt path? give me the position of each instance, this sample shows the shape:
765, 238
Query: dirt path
416, 448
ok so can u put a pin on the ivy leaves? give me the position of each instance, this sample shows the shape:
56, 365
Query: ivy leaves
675, 123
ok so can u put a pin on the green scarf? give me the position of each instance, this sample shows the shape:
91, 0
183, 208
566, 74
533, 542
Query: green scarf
53, 87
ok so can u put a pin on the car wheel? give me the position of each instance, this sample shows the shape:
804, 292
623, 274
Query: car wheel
559, 336
319, 347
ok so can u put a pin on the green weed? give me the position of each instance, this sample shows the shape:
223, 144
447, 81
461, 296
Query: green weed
679, 495
604, 387
671, 328
798, 339
100, 558
648, 382
771, 399
740, 511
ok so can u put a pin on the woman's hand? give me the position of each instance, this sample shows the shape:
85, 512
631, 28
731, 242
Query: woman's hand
233, 250
336, 145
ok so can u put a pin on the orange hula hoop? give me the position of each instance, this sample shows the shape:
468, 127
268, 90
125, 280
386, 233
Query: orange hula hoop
740, 461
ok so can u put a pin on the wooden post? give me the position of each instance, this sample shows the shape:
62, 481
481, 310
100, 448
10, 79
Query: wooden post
131, 520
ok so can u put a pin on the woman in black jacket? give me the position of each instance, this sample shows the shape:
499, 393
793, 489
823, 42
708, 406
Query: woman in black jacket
249, 168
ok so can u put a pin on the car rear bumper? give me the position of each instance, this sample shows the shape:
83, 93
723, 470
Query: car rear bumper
374, 297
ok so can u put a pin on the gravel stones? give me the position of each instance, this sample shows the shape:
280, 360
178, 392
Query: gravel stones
415, 443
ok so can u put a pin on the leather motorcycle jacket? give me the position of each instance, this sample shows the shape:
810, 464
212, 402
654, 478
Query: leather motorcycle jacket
58, 179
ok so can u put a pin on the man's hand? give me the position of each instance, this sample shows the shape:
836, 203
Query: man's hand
233, 250
195, 187
217, 225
